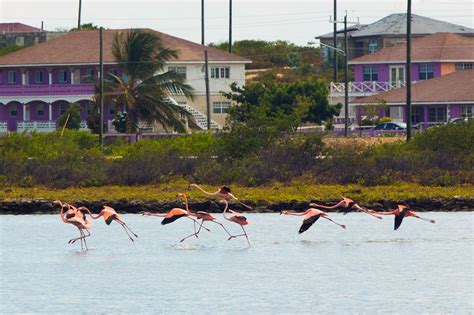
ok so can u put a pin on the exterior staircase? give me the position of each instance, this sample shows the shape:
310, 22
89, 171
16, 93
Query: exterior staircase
199, 117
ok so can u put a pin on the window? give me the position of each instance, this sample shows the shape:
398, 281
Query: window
62, 76
178, 70
89, 76
40, 109
463, 66
13, 110
38, 76
370, 73
466, 111
111, 110
425, 71
220, 107
220, 72
417, 115
63, 108
12, 77
437, 114
373, 45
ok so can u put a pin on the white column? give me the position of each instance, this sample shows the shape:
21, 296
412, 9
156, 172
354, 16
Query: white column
448, 113
24, 112
23, 78
50, 77
50, 117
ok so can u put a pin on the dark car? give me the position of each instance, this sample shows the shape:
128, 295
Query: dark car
460, 120
391, 126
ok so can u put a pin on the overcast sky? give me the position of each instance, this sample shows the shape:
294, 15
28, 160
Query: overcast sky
297, 21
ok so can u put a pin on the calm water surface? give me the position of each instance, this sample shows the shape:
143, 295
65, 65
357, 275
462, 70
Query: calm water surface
368, 268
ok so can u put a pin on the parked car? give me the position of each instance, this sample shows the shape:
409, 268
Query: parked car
459, 120
391, 126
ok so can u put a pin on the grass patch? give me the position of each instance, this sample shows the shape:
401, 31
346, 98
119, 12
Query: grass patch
273, 193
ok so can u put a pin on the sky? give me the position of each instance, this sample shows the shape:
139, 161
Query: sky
297, 21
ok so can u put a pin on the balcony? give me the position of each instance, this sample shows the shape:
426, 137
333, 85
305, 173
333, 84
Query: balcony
3, 127
38, 126
357, 89
46, 90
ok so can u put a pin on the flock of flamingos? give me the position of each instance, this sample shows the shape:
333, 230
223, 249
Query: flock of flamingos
77, 216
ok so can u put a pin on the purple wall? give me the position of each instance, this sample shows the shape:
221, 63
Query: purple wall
384, 71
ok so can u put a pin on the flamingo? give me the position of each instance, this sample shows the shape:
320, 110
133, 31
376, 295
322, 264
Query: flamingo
109, 214
223, 192
311, 216
78, 219
347, 205
400, 213
235, 217
203, 216
173, 215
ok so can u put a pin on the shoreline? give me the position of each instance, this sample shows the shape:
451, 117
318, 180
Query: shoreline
42, 206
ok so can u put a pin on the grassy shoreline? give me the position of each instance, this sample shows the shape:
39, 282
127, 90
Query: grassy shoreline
273, 193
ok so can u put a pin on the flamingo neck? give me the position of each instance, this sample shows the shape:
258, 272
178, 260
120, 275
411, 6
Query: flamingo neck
225, 211
186, 202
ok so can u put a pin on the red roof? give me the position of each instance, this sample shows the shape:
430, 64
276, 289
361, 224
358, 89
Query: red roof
82, 47
436, 47
11, 28
454, 87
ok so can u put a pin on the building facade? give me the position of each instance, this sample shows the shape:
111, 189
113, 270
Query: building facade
38, 83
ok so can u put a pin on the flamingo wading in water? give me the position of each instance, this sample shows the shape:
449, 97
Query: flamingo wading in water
311, 216
347, 205
109, 214
69, 214
203, 216
235, 217
400, 213
223, 192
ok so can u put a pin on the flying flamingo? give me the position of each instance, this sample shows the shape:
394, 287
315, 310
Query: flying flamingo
203, 216
347, 205
78, 220
401, 212
311, 216
223, 192
235, 217
173, 215
109, 214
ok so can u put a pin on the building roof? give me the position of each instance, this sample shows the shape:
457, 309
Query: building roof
396, 24
451, 88
82, 47
436, 47
12, 28
340, 33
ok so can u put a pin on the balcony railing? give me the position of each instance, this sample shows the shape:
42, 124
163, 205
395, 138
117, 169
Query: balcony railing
38, 126
44, 90
3, 127
364, 88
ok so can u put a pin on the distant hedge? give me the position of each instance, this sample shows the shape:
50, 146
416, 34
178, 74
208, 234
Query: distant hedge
439, 156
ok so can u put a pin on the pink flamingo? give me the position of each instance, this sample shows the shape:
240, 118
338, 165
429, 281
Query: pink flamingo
223, 192
235, 217
78, 220
203, 216
347, 205
109, 214
400, 213
311, 216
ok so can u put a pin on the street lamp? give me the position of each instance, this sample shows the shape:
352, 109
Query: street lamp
346, 84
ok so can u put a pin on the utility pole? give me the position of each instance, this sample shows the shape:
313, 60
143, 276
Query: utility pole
79, 16
334, 61
230, 26
101, 88
346, 80
208, 99
202, 22
408, 71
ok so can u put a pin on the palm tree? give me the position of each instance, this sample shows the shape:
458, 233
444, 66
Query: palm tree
144, 86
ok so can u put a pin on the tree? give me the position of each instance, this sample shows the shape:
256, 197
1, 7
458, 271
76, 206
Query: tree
143, 88
73, 117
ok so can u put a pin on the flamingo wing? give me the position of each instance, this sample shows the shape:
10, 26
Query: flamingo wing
172, 218
308, 222
399, 219
109, 218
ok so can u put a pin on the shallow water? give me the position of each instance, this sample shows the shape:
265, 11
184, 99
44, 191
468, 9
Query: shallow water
368, 268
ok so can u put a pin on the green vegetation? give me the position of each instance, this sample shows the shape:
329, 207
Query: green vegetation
10, 49
250, 155
71, 118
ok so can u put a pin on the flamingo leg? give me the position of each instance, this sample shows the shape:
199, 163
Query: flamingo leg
198, 223
425, 219
222, 227
195, 233
123, 225
84, 238
245, 234
341, 225
130, 229
366, 211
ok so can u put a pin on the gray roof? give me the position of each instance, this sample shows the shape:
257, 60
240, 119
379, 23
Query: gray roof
340, 33
396, 24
